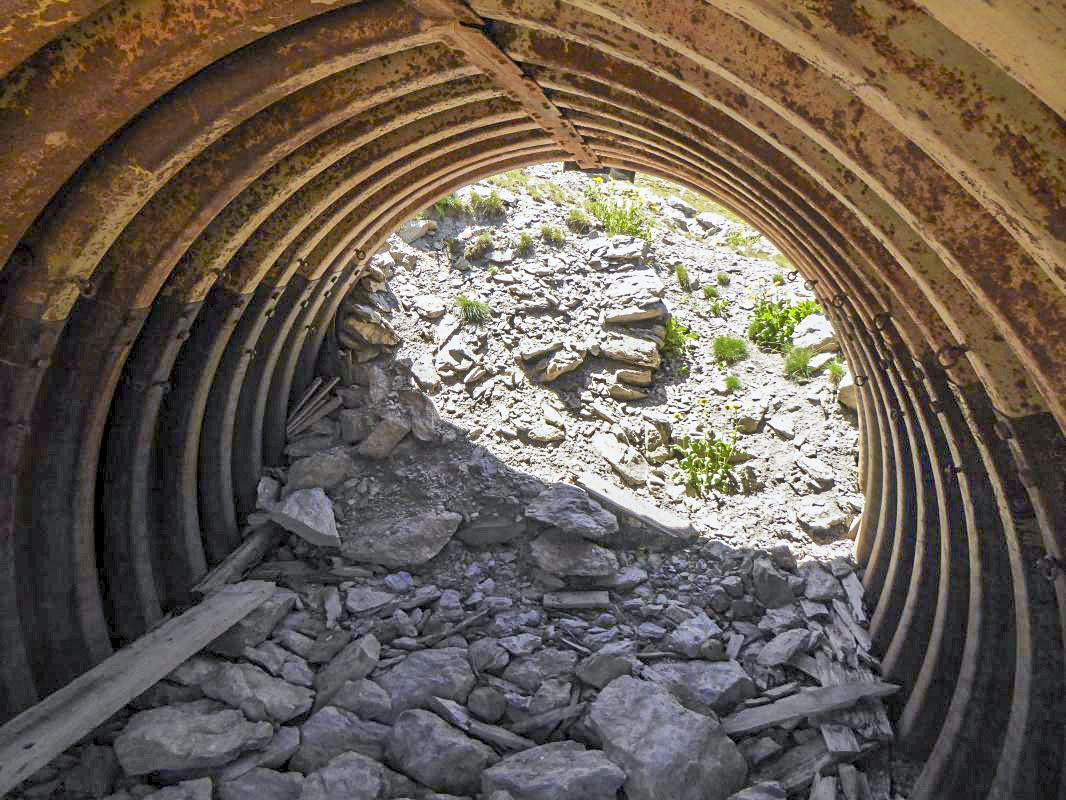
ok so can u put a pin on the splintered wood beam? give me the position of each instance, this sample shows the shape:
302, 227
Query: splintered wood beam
460, 29
45, 730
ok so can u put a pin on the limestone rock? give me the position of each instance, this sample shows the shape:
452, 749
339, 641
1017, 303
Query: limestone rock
349, 776
564, 554
402, 542
664, 749
707, 685
848, 392
556, 771
428, 749
261, 784
570, 509
333, 731
323, 470
815, 332
415, 229
309, 514
428, 306
385, 436
631, 350
249, 632
561, 362
440, 672
187, 736
256, 693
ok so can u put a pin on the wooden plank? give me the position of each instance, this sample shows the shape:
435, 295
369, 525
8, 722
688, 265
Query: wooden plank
42, 732
625, 502
804, 704
580, 601
250, 552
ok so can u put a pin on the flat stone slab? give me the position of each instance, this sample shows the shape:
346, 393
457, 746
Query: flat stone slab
668, 529
559, 601
804, 704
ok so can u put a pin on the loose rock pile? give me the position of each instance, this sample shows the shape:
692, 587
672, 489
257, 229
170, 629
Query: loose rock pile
449, 625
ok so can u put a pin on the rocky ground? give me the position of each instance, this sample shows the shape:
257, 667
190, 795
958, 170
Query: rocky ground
493, 587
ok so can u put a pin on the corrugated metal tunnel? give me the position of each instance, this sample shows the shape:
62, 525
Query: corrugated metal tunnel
188, 187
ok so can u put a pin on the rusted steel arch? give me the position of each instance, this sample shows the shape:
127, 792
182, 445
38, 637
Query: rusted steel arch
223, 170
997, 365
898, 174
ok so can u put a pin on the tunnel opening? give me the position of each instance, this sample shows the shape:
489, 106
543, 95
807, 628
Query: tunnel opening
188, 197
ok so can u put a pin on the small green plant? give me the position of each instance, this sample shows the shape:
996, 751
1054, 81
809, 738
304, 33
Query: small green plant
719, 307
732, 383
512, 179
493, 270
706, 463
556, 193
675, 342
798, 363
578, 221
552, 235
619, 212
710, 292
779, 279
723, 278
525, 244
479, 246
476, 312
490, 206
455, 248
730, 349
449, 206
535, 193
775, 321
683, 280
745, 244
835, 370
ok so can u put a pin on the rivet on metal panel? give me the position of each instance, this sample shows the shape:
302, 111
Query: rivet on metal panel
839, 299
882, 321
1050, 566
791, 276
809, 285
860, 380
360, 255
86, 288
948, 355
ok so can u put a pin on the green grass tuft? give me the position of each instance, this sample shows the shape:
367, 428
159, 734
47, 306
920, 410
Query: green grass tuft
513, 179
723, 278
525, 244
710, 292
779, 279
730, 349
683, 279
476, 312
732, 383
552, 235
490, 206
578, 221
620, 212
798, 363
479, 247
449, 206
835, 370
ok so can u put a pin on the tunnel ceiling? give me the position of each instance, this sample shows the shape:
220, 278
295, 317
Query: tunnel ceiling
188, 187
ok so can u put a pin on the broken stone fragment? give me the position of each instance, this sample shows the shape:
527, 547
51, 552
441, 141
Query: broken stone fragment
555, 771
664, 749
409, 541
571, 510
415, 229
256, 693
428, 749
309, 514
386, 435
558, 553
187, 736
324, 470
